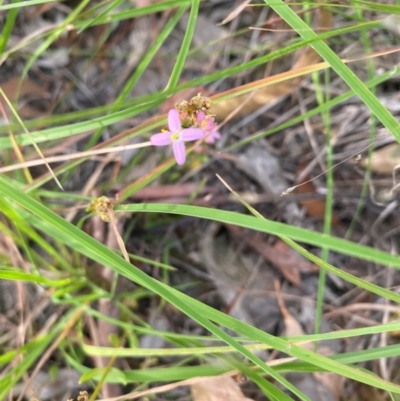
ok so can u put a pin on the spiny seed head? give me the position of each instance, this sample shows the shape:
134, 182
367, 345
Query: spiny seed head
100, 207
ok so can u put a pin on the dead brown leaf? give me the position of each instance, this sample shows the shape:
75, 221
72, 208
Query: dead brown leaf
384, 160
294, 259
292, 326
222, 388
233, 14
288, 270
28, 88
289, 263
313, 207
321, 385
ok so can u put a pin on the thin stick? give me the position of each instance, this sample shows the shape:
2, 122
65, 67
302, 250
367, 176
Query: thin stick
120, 241
77, 155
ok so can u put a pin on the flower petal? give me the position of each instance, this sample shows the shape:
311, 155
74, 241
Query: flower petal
174, 122
200, 116
210, 139
162, 139
210, 124
179, 152
192, 134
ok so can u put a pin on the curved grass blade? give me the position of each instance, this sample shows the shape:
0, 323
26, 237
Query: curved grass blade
359, 88
85, 244
271, 227
201, 313
187, 40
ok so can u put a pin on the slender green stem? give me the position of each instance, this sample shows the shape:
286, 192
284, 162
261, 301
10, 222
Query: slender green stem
372, 135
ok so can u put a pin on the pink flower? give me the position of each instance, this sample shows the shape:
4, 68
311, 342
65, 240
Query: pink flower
206, 123
176, 136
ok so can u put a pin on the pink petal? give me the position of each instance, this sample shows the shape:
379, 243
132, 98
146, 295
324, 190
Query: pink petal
200, 116
210, 124
174, 122
206, 123
179, 152
213, 137
192, 134
161, 139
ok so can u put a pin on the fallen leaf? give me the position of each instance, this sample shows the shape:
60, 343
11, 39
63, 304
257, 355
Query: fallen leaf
292, 326
384, 160
289, 263
319, 386
288, 270
293, 258
28, 88
313, 207
221, 388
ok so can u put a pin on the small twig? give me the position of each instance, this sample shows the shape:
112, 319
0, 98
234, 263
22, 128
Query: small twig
120, 241
77, 155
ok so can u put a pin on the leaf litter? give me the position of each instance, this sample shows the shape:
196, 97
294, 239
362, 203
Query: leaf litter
235, 270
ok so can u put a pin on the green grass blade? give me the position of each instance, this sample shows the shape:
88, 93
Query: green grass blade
22, 276
141, 68
19, 4
147, 102
85, 244
336, 63
187, 40
75, 129
316, 110
7, 28
135, 12
270, 227
53, 36
113, 5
